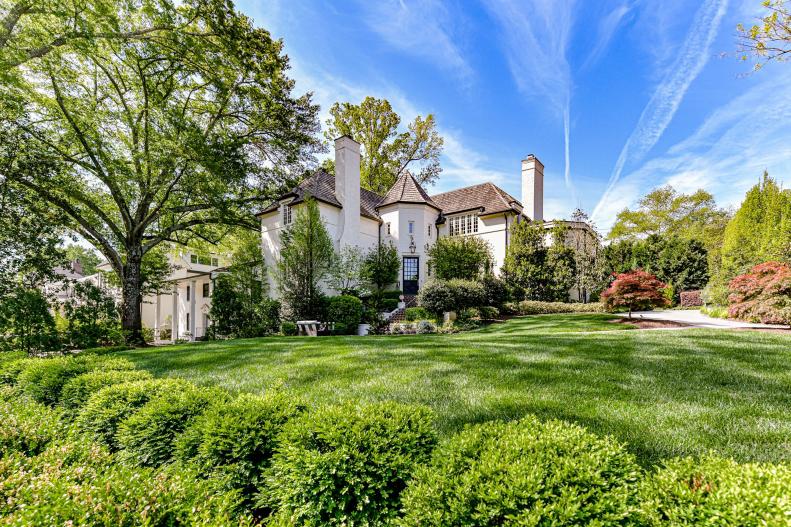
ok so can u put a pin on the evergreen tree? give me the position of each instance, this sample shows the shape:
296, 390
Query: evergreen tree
562, 265
760, 231
465, 257
306, 258
524, 267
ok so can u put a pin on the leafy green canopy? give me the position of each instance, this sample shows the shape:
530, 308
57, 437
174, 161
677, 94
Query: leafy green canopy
465, 257
770, 38
386, 152
158, 139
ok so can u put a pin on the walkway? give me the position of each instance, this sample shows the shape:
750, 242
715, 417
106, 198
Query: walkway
695, 318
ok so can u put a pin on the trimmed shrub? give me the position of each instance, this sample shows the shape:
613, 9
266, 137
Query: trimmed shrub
288, 329
43, 380
347, 465
495, 291
10, 356
411, 314
715, 491
237, 440
268, 313
10, 370
394, 294
27, 427
147, 438
691, 298
534, 307
389, 304
469, 314
78, 390
424, 327
105, 350
346, 310
439, 296
79, 483
489, 312
105, 410
525, 472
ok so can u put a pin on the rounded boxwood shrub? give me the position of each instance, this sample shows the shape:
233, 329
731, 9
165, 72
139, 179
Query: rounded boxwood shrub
412, 314
78, 390
27, 427
347, 465
716, 491
105, 410
424, 327
346, 310
525, 472
237, 440
76, 483
147, 438
10, 370
43, 379
288, 329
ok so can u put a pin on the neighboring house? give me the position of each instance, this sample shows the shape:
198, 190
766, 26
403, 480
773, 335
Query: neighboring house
406, 216
185, 306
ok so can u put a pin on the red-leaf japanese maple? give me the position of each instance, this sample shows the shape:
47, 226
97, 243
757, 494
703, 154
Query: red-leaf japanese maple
762, 295
636, 289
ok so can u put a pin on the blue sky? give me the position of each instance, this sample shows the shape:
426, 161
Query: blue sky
614, 97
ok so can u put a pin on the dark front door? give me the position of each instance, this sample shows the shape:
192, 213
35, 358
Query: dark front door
411, 274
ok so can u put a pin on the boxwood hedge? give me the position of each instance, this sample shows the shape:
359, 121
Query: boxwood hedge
79, 389
347, 465
27, 427
525, 472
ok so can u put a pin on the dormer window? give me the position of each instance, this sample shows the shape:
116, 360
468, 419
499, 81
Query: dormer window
286, 214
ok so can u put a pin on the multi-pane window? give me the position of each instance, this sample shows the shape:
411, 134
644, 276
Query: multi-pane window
203, 260
411, 227
215, 262
206, 290
286, 214
466, 224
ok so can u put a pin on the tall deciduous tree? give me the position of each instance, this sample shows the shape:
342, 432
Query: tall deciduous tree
386, 152
770, 37
346, 276
381, 265
162, 139
306, 258
585, 241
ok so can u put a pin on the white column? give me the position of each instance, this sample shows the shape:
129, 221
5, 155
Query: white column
174, 325
193, 294
157, 311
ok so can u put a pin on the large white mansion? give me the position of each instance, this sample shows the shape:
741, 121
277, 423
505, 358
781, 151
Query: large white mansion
406, 216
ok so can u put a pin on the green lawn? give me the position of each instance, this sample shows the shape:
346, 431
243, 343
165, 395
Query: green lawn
664, 393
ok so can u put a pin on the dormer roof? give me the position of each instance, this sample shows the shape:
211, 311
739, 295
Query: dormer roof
487, 198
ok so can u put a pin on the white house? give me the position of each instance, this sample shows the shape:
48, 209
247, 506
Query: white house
406, 215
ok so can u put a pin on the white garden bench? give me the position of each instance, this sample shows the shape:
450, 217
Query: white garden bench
308, 327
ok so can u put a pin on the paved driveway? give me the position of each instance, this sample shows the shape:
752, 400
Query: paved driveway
697, 319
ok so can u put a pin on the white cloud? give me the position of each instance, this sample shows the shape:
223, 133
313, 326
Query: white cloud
668, 95
423, 28
726, 155
536, 36
606, 30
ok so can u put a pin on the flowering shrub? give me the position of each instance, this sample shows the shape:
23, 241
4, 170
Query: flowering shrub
537, 307
762, 295
635, 289
691, 298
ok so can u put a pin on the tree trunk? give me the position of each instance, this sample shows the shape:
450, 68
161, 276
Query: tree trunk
131, 316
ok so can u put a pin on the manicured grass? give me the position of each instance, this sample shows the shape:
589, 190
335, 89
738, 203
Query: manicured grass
664, 393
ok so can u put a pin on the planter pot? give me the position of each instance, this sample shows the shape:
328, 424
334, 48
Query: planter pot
363, 329
448, 316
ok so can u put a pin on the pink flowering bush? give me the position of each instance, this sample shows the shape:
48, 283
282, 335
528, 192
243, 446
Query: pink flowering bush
762, 295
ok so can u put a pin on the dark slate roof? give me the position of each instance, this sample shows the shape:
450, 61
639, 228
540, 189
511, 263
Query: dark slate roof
407, 190
321, 186
488, 198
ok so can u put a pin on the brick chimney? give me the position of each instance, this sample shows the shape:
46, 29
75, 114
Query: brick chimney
533, 188
347, 189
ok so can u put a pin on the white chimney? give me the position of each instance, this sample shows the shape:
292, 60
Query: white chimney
347, 189
533, 188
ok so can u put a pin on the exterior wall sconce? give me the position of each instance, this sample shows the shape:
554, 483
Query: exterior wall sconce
412, 246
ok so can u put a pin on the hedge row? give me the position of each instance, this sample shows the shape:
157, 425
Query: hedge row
534, 307
165, 452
